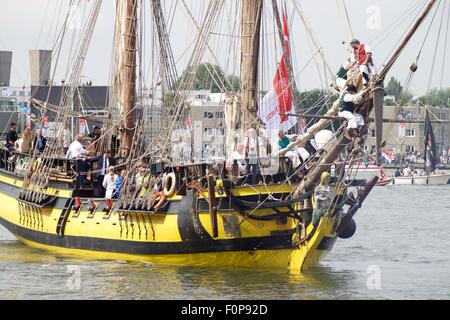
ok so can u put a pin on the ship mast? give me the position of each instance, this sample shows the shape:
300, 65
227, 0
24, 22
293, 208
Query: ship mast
250, 42
129, 87
378, 88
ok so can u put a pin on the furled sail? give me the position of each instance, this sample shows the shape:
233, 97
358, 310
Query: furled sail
119, 57
125, 69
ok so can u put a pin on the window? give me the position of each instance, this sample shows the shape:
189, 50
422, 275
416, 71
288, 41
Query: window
206, 149
372, 133
410, 132
209, 115
214, 132
410, 148
209, 132
220, 115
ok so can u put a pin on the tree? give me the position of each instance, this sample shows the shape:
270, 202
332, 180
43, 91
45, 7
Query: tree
210, 77
317, 102
394, 88
313, 101
234, 83
436, 98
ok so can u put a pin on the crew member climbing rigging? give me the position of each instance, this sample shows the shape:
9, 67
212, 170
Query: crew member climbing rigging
362, 54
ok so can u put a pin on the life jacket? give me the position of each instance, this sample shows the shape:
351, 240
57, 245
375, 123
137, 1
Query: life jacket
346, 106
360, 54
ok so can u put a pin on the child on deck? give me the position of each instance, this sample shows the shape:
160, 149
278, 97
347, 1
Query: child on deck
109, 183
119, 182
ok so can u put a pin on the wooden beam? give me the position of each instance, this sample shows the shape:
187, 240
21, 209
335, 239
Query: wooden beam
378, 104
250, 43
212, 205
130, 43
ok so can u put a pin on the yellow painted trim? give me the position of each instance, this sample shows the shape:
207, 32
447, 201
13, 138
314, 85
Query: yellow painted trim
62, 193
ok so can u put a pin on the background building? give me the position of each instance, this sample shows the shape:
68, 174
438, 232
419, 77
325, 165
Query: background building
208, 123
5, 68
40, 66
14, 107
8, 114
407, 137
152, 109
88, 100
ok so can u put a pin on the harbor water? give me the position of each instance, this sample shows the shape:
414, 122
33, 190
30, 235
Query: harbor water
400, 251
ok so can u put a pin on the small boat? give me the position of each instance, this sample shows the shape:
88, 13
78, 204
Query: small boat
403, 180
384, 181
434, 179
420, 180
439, 179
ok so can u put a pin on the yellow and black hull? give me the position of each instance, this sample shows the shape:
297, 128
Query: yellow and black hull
181, 235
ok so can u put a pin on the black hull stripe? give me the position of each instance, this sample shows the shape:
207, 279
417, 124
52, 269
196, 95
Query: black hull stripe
277, 242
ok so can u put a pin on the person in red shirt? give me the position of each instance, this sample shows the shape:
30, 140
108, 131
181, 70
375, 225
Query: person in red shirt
362, 54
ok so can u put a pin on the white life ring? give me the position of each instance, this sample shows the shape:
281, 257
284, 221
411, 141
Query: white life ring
172, 179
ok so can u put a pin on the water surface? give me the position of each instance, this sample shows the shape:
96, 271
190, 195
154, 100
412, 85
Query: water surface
401, 251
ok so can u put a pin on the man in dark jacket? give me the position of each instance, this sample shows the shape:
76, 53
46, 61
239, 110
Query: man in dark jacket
40, 142
103, 163
11, 136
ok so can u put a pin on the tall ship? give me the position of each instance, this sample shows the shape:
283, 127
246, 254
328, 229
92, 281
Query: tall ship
256, 204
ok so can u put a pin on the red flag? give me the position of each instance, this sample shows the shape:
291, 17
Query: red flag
281, 81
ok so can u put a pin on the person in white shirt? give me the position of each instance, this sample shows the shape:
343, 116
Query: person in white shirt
78, 154
18, 144
303, 153
314, 144
408, 171
76, 149
347, 102
239, 156
109, 183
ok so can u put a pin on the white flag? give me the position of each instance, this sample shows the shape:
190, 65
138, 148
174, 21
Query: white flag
270, 114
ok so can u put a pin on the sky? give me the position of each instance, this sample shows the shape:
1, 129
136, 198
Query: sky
27, 24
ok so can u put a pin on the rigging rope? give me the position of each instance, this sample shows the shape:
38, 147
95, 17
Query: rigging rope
436, 46
445, 44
